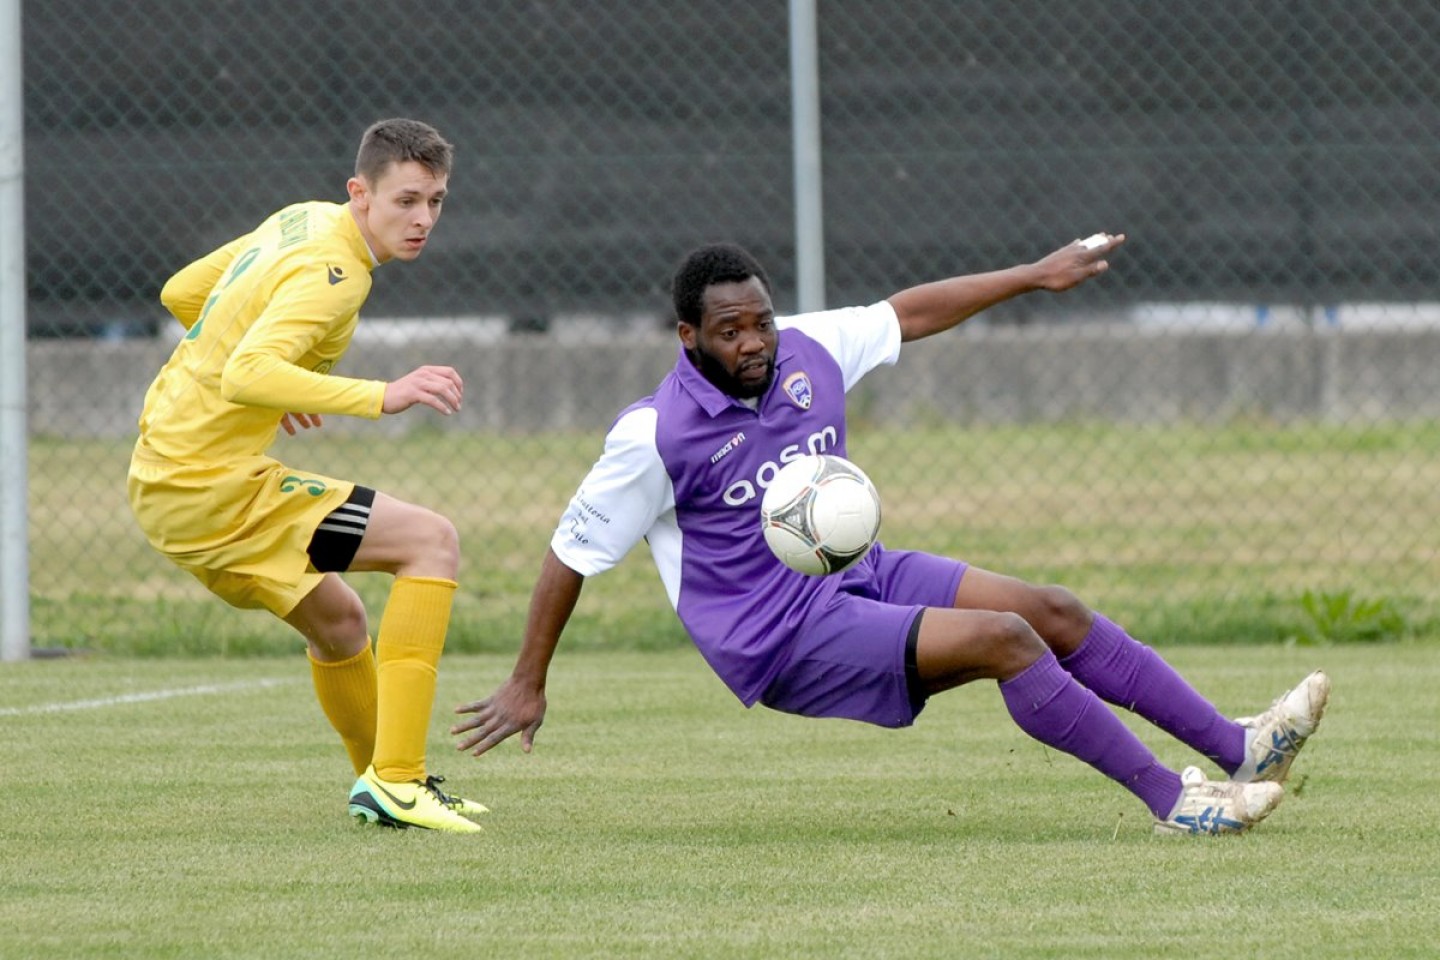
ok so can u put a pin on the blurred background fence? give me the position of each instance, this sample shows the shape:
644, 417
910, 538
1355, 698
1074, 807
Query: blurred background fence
1242, 416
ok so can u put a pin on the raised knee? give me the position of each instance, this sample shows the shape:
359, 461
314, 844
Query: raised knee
440, 544
1018, 643
448, 544
1014, 629
1061, 618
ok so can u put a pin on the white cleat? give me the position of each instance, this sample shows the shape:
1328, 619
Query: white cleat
1214, 807
1274, 737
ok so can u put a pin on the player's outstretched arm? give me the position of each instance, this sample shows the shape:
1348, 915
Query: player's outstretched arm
931, 308
439, 388
518, 704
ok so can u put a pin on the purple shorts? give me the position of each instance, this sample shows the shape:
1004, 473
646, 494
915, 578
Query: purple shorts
855, 657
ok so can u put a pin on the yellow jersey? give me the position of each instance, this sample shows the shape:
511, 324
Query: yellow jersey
267, 316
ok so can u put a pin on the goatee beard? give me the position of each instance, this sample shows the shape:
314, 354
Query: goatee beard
724, 381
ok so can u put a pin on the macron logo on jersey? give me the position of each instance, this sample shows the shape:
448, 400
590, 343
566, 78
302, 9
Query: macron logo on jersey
336, 274
730, 445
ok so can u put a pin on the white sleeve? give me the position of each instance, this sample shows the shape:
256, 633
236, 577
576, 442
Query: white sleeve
859, 338
618, 501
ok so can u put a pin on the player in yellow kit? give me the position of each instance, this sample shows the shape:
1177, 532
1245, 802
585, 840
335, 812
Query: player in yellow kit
267, 316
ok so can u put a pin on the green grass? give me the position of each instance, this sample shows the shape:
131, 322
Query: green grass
1185, 533
656, 818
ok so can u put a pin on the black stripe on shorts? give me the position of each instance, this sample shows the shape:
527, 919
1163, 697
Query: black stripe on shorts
332, 548
918, 696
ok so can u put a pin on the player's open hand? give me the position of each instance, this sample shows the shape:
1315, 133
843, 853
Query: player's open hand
289, 421
509, 710
1077, 261
439, 388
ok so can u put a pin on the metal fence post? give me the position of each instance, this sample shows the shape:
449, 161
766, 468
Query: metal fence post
805, 127
14, 528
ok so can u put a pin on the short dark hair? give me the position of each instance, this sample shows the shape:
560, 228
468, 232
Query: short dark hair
397, 140
706, 266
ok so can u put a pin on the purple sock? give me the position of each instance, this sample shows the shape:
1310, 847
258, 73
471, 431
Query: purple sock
1129, 674
1048, 704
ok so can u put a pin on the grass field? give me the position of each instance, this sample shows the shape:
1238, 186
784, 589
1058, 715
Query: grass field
178, 808
1185, 533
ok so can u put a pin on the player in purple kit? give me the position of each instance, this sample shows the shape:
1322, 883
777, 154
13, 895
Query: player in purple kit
684, 469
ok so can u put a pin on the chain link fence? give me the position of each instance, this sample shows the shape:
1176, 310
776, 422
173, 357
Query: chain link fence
1238, 423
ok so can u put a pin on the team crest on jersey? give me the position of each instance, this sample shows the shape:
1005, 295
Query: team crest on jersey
797, 388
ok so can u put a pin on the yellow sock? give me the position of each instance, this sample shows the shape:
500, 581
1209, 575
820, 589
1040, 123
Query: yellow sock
346, 691
412, 635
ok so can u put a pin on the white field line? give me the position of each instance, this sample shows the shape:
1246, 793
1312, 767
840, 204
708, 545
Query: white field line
124, 698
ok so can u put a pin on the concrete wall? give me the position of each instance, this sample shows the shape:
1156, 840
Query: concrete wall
86, 388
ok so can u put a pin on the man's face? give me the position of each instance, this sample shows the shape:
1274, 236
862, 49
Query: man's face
734, 346
397, 211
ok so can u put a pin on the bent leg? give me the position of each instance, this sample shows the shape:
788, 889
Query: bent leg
956, 646
342, 667
1127, 673
408, 540
1107, 660
422, 549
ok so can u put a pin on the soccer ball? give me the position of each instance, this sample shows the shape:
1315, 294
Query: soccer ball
820, 514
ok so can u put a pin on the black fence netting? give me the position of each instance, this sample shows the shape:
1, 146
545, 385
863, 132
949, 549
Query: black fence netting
1242, 414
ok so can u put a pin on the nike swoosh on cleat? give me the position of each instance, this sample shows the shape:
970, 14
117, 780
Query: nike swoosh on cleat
394, 799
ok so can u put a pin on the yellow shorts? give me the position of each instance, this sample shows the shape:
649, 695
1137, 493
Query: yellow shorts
241, 528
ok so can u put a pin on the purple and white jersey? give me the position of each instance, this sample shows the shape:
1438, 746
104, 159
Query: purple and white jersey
685, 469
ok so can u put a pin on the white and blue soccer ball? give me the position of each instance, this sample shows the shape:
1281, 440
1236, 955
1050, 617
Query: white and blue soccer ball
820, 515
